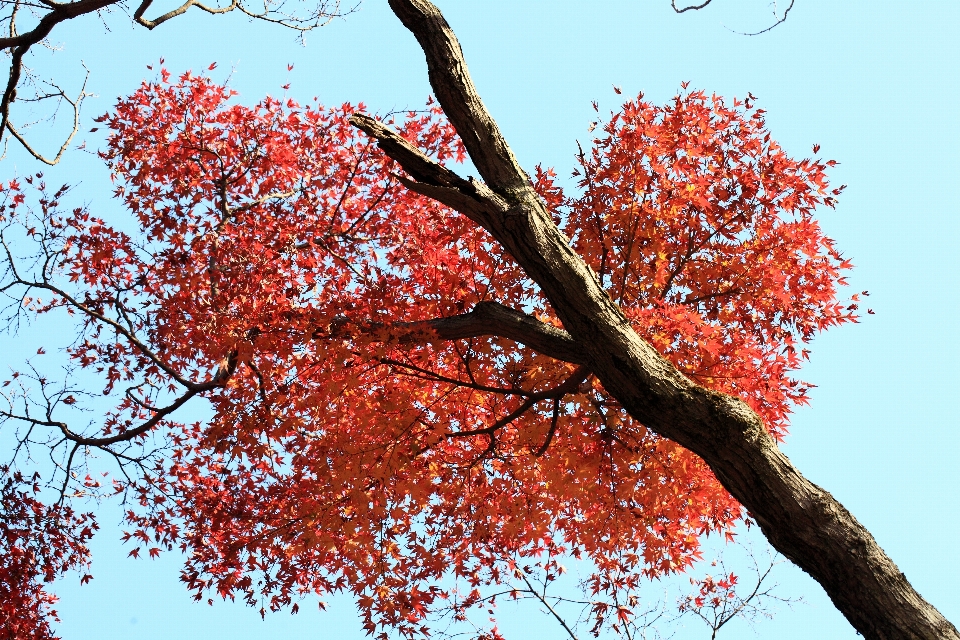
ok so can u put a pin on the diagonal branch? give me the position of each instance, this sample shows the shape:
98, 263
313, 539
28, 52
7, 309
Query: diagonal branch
430, 178
779, 21
75, 104
800, 519
224, 372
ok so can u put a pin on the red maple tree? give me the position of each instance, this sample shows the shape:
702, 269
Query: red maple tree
370, 432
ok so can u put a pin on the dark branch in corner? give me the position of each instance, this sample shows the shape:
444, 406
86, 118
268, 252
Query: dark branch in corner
19, 44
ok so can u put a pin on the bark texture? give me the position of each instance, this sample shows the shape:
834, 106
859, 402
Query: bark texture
487, 319
801, 520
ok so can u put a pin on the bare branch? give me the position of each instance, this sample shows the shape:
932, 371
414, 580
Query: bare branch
696, 7
151, 24
19, 44
543, 600
75, 104
779, 21
126, 436
693, 7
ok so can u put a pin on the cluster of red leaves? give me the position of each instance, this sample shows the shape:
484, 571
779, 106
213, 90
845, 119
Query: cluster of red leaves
701, 228
38, 543
711, 593
278, 254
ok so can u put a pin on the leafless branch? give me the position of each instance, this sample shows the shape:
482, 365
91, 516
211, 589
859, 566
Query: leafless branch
693, 7
75, 104
50, 13
779, 21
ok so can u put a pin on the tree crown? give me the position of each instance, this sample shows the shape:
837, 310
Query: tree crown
396, 408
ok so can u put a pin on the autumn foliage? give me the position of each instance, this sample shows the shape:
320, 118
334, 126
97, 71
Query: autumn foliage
38, 543
279, 269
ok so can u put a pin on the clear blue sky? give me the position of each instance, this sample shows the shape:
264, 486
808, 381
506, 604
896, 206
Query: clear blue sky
876, 84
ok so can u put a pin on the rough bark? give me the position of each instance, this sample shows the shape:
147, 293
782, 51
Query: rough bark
801, 520
494, 319
486, 319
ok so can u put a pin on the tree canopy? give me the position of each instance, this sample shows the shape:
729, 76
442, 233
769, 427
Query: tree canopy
416, 376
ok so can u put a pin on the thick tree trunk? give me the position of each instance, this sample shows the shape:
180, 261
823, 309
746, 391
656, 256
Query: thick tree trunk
800, 519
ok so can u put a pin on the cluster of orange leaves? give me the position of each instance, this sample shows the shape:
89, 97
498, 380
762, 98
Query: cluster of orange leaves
702, 229
276, 249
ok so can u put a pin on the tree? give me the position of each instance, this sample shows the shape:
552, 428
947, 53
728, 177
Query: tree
632, 387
